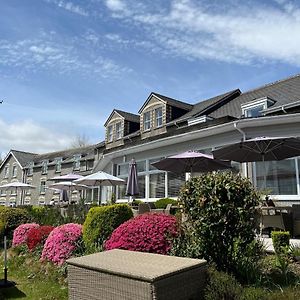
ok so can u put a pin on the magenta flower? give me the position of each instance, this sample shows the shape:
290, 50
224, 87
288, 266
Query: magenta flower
21, 233
145, 233
61, 243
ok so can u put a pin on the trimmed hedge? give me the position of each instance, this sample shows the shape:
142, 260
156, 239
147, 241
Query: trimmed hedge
162, 203
280, 239
101, 222
12, 218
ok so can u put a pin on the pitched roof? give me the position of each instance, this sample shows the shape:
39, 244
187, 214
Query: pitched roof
23, 157
282, 92
202, 106
129, 116
168, 100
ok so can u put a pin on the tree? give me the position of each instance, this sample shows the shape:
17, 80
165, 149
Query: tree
80, 140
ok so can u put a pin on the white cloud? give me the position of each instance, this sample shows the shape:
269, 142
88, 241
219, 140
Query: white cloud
241, 34
31, 137
70, 6
116, 5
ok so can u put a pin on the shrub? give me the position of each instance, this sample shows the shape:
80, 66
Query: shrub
162, 203
280, 239
62, 243
37, 236
12, 218
145, 233
101, 222
220, 208
21, 233
222, 286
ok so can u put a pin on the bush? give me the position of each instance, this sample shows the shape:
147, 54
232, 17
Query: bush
61, 243
37, 236
162, 203
101, 222
145, 233
220, 209
280, 239
12, 218
21, 233
45, 215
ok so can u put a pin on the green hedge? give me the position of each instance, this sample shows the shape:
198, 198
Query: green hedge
281, 239
11, 218
101, 222
162, 203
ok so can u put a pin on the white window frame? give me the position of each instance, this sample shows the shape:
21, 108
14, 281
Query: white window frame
43, 187
44, 167
118, 128
14, 171
6, 172
265, 102
110, 134
58, 162
158, 116
76, 162
30, 169
147, 121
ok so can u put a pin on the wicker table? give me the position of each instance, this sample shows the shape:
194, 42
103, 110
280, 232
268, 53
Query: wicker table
128, 275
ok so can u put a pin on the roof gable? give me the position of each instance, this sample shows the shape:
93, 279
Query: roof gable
21, 157
167, 100
111, 115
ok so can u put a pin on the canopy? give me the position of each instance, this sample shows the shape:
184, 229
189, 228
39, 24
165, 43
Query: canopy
100, 178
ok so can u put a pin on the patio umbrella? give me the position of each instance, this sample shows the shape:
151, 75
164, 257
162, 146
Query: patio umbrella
132, 188
17, 186
67, 177
260, 149
69, 186
100, 178
191, 161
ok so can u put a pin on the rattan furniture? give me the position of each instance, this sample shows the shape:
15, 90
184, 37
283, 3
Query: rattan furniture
127, 275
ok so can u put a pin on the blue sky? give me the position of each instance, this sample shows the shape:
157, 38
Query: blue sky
66, 64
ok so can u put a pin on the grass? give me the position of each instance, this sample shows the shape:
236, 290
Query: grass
34, 280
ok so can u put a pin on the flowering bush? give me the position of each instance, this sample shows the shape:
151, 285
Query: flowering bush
61, 243
37, 236
21, 233
145, 233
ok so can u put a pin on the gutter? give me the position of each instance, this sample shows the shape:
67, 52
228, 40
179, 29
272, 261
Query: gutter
201, 133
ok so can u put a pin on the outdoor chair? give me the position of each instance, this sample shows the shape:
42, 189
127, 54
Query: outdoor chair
167, 210
296, 219
143, 208
270, 219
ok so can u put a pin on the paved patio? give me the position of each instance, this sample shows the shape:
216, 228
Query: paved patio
269, 245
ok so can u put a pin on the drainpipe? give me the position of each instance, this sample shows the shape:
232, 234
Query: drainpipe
239, 130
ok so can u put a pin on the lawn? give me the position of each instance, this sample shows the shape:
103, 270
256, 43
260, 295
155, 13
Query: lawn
33, 280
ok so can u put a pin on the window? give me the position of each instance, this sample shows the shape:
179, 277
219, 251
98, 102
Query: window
110, 133
175, 182
58, 165
14, 171
6, 172
44, 167
147, 120
158, 117
76, 163
89, 165
157, 185
30, 169
254, 108
118, 130
43, 187
28, 191
123, 169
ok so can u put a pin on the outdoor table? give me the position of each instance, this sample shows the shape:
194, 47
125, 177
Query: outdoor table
128, 275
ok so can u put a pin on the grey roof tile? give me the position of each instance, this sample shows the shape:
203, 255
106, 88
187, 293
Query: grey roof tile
23, 157
129, 116
174, 102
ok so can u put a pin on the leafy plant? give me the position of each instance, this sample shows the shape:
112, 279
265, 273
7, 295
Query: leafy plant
146, 233
281, 240
162, 203
101, 222
220, 207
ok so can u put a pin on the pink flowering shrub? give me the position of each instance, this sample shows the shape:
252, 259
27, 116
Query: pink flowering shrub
21, 233
62, 243
145, 233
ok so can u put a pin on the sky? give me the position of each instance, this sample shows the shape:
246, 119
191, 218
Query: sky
66, 64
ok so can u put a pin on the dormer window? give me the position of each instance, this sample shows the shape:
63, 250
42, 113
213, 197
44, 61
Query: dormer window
110, 133
14, 171
58, 165
44, 167
30, 169
76, 162
6, 172
147, 120
118, 130
255, 108
158, 117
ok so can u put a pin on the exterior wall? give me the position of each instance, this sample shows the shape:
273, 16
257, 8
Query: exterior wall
151, 106
10, 197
